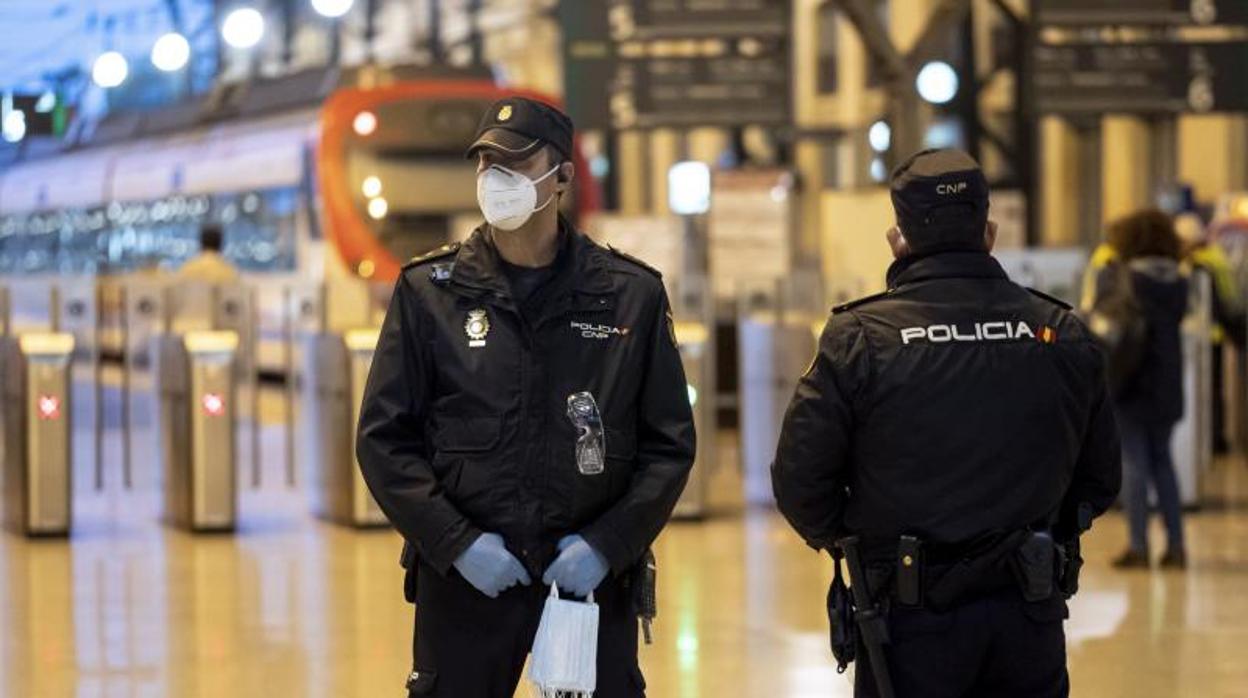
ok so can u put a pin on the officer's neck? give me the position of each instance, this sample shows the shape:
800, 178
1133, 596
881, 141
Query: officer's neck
534, 244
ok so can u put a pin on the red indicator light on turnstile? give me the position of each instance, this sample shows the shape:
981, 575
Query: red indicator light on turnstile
49, 407
214, 405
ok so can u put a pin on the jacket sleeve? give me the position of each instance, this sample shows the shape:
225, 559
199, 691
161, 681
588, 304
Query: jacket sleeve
810, 473
391, 444
665, 450
1098, 469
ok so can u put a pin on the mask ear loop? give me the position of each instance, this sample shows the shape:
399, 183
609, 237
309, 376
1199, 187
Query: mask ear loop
552, 194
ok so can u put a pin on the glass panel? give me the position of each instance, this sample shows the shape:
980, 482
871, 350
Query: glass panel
260, 234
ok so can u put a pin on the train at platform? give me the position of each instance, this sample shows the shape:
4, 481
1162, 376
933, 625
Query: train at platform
329, 178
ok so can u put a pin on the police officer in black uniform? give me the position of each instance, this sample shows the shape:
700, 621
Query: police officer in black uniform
951, 439
525, 422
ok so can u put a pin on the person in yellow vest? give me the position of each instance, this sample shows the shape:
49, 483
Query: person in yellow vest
209, 266
1102, 257
1199, 256
1204, 257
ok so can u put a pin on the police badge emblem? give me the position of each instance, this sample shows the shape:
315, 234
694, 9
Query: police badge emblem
476, 327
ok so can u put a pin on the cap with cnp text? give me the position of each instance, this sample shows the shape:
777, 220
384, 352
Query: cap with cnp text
516, 127
940, 198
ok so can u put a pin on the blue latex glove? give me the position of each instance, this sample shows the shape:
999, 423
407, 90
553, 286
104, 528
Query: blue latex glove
579, 569
490, 567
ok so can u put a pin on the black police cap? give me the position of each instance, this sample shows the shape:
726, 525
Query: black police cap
941, 200
516, 127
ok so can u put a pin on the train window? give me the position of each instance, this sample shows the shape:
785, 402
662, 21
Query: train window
260, 228
260, 234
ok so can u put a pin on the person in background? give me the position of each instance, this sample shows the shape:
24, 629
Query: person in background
209, 266
1150, 401
1103, 256
1204, 257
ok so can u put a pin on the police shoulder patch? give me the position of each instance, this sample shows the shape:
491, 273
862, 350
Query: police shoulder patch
443, 251
1055, 301
844, 307
629, 258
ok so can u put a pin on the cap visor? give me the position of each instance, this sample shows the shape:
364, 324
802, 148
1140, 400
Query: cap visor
504, 142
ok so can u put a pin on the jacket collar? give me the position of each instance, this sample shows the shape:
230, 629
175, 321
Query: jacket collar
944, 265
580, 264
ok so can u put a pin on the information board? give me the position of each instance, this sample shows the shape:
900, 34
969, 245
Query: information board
675, 63
1140, 12
1141, 78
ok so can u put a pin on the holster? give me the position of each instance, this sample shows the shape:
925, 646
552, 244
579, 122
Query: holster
1035, 567
1069, 563
842, 629
642, 582
409, 562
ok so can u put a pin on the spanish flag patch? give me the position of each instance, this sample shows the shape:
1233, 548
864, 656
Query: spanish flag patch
1048, 335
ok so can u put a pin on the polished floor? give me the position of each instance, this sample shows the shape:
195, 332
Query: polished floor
291, 606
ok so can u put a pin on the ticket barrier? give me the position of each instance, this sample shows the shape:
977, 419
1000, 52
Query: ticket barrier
773, 354
1192, 441
196, 404
335, 368
697, 355
38, 452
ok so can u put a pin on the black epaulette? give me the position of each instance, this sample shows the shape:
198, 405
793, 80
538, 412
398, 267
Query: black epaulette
1055, 301
443, 251
860, 301
626, 256
439, 273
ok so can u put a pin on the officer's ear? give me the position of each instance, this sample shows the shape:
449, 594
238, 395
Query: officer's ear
897, 242
990, 235
563, 177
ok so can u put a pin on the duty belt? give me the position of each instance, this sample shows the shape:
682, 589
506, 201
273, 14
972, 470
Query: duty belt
941, 576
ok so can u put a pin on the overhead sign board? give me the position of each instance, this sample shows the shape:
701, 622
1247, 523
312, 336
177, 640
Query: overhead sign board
1141, 12
1140, 78
682, 18
656, 63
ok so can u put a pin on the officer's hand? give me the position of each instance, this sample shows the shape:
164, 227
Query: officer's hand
488, 566
579, 569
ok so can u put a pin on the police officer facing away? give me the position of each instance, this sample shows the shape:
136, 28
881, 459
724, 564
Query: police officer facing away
957, 427
525, 422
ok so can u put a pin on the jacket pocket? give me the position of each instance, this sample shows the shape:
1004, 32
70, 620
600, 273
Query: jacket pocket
468, 434
594, 494
465, 458
621, 446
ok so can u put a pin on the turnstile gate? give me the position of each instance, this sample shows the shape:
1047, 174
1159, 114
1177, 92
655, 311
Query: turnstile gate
195, 388
334, 372
38, 456
697, 356
1192, 441
773, 355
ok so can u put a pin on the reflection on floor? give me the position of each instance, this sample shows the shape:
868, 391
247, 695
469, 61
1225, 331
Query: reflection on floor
295, 607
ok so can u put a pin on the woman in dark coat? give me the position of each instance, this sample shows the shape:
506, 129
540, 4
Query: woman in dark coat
1150, 400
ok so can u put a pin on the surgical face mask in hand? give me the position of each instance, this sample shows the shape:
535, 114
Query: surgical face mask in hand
507, 198
564, 661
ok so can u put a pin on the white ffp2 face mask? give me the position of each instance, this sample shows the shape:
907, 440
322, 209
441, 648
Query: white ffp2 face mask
507, 198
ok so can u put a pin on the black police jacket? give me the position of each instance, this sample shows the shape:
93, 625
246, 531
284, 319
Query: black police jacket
464, 425
954, 405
